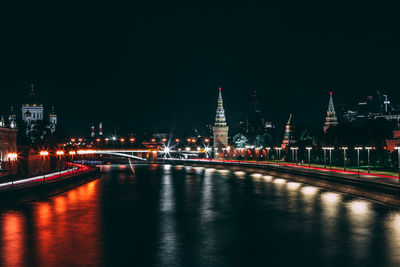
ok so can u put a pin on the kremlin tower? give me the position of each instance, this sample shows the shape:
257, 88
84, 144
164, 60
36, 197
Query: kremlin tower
288, 138
220, 128
331, 119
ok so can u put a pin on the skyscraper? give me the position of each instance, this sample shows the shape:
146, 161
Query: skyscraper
331, 119
220, 128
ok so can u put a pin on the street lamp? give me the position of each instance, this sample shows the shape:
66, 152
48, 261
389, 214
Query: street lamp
344, 148
294, 151
324, 148
358, 159
368, 148
268, 149
278, 151
309, 156
44, 154
398, 158
330, 157
11, 158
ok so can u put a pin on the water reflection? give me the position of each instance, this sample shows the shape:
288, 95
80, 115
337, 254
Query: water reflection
199, 218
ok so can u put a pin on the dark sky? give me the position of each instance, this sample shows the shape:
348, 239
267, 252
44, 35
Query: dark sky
145, 65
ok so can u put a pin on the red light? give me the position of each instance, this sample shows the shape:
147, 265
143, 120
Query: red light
122, 140
153, 140
331, 92
177, 140
132, 139
98, 140
44, 153
72, 139
219, 88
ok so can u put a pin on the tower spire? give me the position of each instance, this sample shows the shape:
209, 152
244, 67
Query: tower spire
331, 119
220, 128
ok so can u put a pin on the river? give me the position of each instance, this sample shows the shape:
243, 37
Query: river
163, 215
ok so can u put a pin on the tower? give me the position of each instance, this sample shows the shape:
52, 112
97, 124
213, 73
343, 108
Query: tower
288, 138
32, 110
92, 133
53, 120
220, 128
2, 122
12, 119
331, 119
100, 129
254, 120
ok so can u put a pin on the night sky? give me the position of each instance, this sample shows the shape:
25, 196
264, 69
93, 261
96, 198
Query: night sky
156, 65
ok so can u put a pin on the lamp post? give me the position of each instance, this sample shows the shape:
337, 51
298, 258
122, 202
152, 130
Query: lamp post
309, 157
44, 154
278, 151
398, 158
11, 158
294, 151
358, 159
344, 156
268, 149
330, 157
368, 148
324, 148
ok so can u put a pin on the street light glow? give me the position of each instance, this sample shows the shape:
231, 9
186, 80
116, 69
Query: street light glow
44, 153
60, 152
12, 156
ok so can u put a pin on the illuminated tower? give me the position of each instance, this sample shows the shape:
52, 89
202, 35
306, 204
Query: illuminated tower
92, 134
12, 119
2, 122
100, 129
220, 128
331, 119
53, 120
288, 138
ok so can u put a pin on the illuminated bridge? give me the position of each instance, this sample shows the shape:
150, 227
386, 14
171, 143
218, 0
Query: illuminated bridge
142, 154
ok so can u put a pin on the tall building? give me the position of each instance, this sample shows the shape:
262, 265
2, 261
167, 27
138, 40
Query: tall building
288, 138
331, 119
255, 121
220, 128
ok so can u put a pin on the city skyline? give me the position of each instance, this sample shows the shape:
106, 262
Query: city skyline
175, 57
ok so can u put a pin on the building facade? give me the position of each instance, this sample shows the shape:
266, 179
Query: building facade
220, 128
8, 144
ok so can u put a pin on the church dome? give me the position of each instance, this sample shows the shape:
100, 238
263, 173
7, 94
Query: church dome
32, 99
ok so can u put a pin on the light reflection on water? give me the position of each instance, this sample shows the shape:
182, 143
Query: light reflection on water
191, 216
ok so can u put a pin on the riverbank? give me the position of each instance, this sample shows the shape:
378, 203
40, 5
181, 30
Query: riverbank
20, 191
381, 189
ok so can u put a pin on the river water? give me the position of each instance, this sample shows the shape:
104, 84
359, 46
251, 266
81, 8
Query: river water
192, 216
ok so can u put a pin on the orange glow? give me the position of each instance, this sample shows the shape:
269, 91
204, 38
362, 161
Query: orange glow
98, 140
12, 156
206, 140
44, 153
132, 139
73, 140
80, 139
107, 139
177, 140
12, 238
153, 140
189, 140
164, 139
193, 140
60, 152
122, 140
72, 152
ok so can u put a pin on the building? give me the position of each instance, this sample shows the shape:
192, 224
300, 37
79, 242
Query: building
331, 119
395, 142
254, 120
288, 138
33, 111
8, 144
377, 105
220, 128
